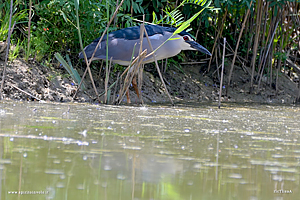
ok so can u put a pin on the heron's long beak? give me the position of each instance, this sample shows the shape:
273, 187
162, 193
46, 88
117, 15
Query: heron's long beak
199, 47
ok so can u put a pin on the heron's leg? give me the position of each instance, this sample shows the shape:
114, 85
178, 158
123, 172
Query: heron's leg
127, 95
134, 84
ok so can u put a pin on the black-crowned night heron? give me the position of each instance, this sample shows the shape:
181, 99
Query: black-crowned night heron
121, 45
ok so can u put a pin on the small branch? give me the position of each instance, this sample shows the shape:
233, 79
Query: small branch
24, 92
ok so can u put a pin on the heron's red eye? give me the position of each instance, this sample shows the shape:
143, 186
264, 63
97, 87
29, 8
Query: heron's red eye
186, 38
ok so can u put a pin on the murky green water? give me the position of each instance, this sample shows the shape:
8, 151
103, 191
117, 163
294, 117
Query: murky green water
83, 151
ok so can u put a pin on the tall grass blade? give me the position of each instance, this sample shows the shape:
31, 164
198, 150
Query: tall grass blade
73, 72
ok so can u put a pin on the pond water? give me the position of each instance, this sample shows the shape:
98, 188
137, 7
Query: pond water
159, 152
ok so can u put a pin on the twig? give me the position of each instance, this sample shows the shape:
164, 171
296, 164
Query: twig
220, 94
24, 91
7, 50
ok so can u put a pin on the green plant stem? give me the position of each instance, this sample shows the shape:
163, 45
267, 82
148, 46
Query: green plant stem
29, 26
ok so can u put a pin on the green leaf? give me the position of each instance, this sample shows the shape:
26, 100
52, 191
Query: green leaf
76, 2
64, 16
174, 38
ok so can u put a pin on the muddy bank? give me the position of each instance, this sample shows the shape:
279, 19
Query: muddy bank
32, 81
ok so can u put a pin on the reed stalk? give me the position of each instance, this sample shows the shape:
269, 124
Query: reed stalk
257, 35
85, 58
116, 85
236, 48
267, 52
221, 26
264, 54
91, 59
157, 68
141, 69
130, 75
107, 72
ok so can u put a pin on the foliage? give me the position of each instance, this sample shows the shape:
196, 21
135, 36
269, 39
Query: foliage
15, 50
18, 17
70, 69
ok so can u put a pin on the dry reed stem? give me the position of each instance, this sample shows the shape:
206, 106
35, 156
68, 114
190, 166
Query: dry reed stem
251, 22
134, 69
115, 90
130, 75
280, 50
157, 67
236, 48
140, 81
91, 59
263, 53
216, 39
257, 30
140, 69
107, 72
267, 52
241, 60
217, 64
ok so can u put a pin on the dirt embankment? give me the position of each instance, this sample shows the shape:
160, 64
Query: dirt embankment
32, 81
